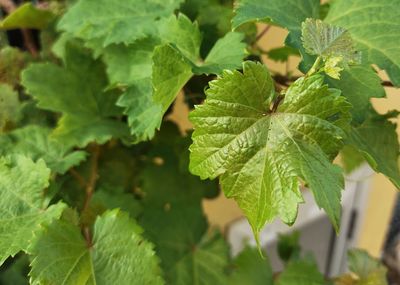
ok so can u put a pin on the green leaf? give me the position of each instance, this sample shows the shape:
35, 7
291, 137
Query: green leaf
9, 105
204, 265
328, 41
359, 84
377, 140
16, 273
250, 268
27, 16
227, 53
22, 206
301, 272
35, 142
77, 91
12, 62
350, 158
239, 136
116, 22
282, 54
365, 269
289, 246
118, 254
374, 28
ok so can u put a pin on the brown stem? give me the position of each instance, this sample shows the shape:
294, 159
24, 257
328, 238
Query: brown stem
82, 182
91, 184
278, 100
263, 32
9, 7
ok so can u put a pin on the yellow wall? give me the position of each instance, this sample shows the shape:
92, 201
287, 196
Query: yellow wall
222, 211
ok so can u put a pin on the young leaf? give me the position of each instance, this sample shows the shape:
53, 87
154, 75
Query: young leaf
77, 91
250, 268
301, 272
35, 142
9, 105
377, 141
27, 16
118, 254
289, 246
328, 41
22, 206
374, 29
116, 22
260, 151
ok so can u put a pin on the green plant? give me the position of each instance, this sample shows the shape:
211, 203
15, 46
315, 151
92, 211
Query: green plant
95, 185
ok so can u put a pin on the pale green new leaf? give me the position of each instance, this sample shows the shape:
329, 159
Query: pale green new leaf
27, 16
359, 83
9, 105
328, 41
301, 272
374, 28
22, 205
108, 22
250, 268
35, 142
76, 91
118, 255
377, 140
261, 153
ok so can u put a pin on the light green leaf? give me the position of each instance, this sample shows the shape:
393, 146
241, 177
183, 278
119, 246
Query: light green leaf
116, 22
27, 16
261, 151
374, 28
35, 142
359, 84
251, 268
76, 91
9, 105
22, 206
118, 254
227, 53
377, 140
328, 41
301, 272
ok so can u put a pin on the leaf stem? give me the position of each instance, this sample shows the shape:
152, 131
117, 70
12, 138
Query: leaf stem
91, 184
315, 67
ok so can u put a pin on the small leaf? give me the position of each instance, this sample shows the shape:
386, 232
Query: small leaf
119, 254
22, 206
27, 16
301, 272
9, 105
289, 246
282, 54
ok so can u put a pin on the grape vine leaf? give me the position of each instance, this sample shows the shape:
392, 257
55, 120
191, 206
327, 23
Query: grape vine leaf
301, 272
118, 255
328, 41
359, 83
282, 54
250, 268
77, 91
260, 152
365, 270
374, 28
35, 142
9, 105
121, 22
27, 16
22, 206
369, 137
12, 62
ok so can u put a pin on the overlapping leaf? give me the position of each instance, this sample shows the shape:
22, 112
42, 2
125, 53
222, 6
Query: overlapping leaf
76, 91
27, 16
22, 206
374, 27
260, 152
118, 254
301, 272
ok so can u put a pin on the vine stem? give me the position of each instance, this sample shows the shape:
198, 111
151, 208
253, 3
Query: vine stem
9, 7
315, 66
263, 32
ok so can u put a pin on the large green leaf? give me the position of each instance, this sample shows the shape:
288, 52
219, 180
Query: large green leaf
22, 205
374, 27
359, 84
108, 22
35, 142
77, 91
118, 254
301, 272
260, 151
377, 141
250, 268
27, 16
